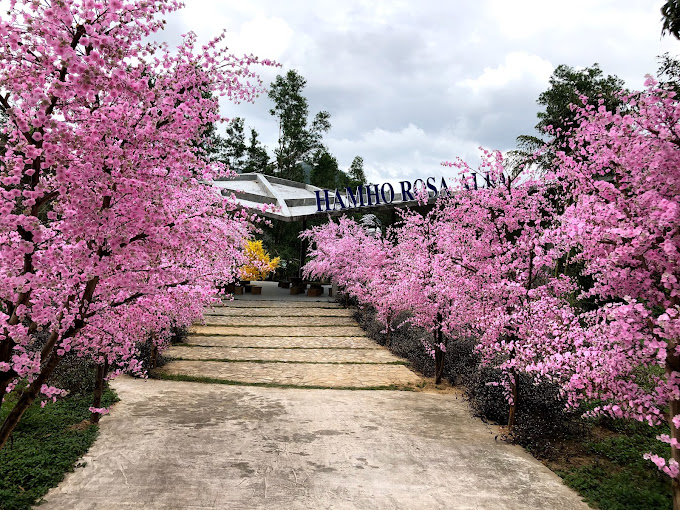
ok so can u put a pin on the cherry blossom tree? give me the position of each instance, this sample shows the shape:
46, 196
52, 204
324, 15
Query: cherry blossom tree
107, 226
624, 176
478, 264
500, 286
419, 262
474, 265
362, 264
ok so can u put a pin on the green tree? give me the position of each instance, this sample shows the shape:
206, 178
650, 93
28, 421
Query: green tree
356, 172
257, 159
670, 18
298, 139
668, 73
233, 148
566, 86
211, 144
325, 171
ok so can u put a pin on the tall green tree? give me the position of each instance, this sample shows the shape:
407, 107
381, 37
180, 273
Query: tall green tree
257, 159
325, 172
566, 87
356, 172
668, 73
233, 148
298, 137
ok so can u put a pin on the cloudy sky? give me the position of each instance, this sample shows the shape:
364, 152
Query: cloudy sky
409, 84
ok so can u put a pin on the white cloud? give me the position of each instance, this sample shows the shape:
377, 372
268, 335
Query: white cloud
408, 153
266, 37
410, 85
517, 67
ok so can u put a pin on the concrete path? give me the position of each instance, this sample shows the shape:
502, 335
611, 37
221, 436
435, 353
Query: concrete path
191, 445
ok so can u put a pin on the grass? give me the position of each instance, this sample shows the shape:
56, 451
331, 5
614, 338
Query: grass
611, 473
46, 444
212, 380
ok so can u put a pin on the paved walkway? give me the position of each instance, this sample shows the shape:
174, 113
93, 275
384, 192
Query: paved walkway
195, 445
318, 345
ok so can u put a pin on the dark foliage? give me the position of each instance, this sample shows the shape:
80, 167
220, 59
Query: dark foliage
404, 341
73, 373
670, 18
145, 349
543, 420
178, 335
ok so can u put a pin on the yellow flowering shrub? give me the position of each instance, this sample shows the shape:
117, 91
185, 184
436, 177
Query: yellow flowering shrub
259, 262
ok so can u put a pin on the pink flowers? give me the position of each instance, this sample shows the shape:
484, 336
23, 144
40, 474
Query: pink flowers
625, 226
483, 262
107, 234
671, 467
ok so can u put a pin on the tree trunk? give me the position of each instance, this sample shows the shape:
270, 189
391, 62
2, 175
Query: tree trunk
388, 340
673, 365
27, 397
154, 356
439, 354
102, 370
514, 390
438, 364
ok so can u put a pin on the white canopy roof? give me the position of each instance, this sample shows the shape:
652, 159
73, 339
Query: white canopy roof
295, 201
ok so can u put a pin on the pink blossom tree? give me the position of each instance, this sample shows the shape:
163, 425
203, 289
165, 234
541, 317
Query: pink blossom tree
501, 287
475, 265
107, 228
363, 265
624, 175
419, 260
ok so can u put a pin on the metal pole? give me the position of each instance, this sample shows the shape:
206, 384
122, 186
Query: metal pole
303, 248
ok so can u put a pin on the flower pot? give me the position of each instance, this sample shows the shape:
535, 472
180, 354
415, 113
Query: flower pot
315, 291
255, 290
238, 291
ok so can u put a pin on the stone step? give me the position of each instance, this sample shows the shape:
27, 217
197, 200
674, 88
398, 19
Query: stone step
266, 322
288, 342
296, 374
260, 303
296, 355
274, 311
277, 331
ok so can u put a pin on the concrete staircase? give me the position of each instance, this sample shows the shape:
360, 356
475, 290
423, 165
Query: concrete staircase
312, 344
